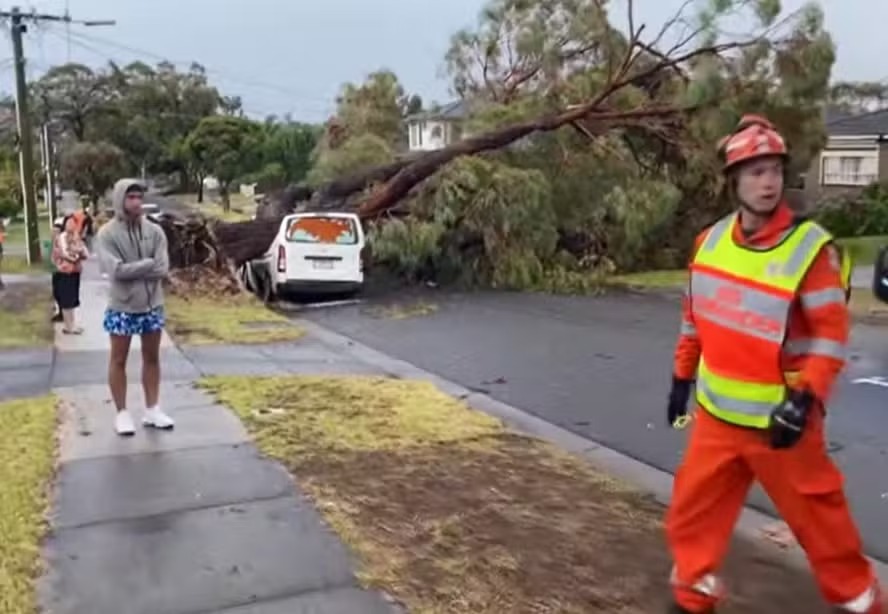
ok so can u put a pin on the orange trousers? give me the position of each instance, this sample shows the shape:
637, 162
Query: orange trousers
709, 492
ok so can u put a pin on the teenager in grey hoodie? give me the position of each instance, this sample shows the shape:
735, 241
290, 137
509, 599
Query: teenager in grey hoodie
133, 253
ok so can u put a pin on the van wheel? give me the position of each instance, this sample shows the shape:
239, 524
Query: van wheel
247, 278
267, 294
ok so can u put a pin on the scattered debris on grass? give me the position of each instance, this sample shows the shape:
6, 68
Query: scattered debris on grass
451, 513
25, 311
27, 461
239, 318
204, 281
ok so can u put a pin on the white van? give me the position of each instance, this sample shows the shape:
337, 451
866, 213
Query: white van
312, 253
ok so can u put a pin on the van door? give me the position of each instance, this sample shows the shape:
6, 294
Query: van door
324, 247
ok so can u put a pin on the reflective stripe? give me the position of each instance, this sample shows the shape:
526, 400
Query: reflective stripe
758, 412
863, 603
749, 292
821, 298
813, 237
739, 307
717, 231
688, 329
739, 402
709, 585
818, 346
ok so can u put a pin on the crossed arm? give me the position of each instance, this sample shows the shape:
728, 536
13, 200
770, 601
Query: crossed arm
155, 266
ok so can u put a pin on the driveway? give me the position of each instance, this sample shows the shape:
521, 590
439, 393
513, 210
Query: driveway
601, 367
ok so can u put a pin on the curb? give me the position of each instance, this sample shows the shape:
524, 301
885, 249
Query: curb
637, 473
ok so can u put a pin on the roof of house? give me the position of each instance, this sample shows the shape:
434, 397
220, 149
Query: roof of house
458, 109
864, 124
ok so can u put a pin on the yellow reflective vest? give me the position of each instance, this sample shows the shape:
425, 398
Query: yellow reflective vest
740, 300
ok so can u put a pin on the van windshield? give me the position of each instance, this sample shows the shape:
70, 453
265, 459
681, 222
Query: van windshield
322, 229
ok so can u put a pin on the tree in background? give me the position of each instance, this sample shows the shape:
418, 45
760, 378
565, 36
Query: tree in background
285, 154
227, 147
145, 111
859, 96
92, 168
367, 129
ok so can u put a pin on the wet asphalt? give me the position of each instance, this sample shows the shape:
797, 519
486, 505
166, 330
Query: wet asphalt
601, 367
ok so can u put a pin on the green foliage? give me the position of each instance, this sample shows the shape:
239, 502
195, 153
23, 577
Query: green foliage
145, 111
479, 222
377, 107
409, 248
92, 168
11, 204
227, 147
858, 215
357, 153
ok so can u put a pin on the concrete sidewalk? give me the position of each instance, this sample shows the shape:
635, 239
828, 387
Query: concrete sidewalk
189, 521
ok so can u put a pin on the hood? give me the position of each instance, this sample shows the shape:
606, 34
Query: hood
118, 195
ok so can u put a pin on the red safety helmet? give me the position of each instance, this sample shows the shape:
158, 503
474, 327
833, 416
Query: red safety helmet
754, 137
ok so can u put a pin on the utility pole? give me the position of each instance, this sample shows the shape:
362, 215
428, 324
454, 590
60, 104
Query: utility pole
17, 27
47, 150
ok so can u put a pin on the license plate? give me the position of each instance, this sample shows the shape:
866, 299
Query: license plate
323, 264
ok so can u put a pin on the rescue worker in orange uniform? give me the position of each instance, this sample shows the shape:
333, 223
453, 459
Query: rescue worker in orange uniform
764, 330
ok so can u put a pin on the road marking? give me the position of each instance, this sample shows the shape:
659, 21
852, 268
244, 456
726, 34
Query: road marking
877, 380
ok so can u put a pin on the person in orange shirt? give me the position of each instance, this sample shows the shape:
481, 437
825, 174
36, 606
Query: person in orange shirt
764, 330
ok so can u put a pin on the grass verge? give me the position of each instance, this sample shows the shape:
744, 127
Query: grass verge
27, 460
242, 207
229, 319
451, 513
19, 265
864, 250
863, 305
25, 316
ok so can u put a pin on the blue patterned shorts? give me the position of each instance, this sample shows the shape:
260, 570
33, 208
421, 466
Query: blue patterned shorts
131, 324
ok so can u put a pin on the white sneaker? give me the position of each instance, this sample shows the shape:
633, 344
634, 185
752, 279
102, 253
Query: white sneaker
155, 418
123, 424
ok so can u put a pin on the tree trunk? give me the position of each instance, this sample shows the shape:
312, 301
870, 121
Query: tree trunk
226, 199
200, 189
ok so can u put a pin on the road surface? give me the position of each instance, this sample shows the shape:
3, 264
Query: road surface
602, 366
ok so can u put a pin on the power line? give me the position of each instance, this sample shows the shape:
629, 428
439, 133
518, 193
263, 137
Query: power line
225, 74
167, 114
17, 25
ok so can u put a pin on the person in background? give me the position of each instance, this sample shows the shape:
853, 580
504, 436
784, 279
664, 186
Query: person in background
68, 255
57, 226
133, 253
87, 227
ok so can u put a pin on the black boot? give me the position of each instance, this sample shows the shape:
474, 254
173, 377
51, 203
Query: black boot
677, 609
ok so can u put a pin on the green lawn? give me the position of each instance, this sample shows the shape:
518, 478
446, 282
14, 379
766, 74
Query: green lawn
27, 461
863, 250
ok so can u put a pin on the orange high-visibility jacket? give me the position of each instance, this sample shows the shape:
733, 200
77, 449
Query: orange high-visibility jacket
808, 320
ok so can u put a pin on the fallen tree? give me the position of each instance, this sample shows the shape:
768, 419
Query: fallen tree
634, 67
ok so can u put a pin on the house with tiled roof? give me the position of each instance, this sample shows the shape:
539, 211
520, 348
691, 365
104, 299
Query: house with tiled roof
855, 155
437, 128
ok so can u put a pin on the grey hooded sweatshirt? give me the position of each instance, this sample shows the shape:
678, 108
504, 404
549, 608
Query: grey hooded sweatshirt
133, 252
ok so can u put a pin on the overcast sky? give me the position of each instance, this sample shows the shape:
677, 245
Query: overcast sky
292, 55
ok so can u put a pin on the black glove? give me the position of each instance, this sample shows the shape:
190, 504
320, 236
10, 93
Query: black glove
789, 419
678, 399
